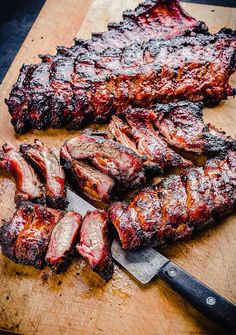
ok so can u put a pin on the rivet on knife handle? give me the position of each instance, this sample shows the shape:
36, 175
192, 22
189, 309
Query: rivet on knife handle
207, 301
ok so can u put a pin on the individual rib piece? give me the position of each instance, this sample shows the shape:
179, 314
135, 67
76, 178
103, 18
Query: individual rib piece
28, 186
84, 178
62, 242
47, 164
25, 237
94, 244
140, 133
115, 160
37, 100
178, 205
183, 127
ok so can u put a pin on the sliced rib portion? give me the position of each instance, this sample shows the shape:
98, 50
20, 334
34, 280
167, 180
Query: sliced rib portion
25, 237
62, 242
115, 160
28, 186
42, 95
47, 164
149, 144
85, 178
183, 127
178, 205
94, 243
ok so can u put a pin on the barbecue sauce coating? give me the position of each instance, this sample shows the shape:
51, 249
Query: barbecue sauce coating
25, 237
94, 244
139, 132
86, 179
108, 156
178, 205
28, 185
55, 92
47, 164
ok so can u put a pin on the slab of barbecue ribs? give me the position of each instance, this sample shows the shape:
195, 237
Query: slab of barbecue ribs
99, 165
28, 185
96, 77
178, 205
181, 125
46, 163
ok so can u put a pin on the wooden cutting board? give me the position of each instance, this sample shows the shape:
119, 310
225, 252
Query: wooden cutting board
79, 302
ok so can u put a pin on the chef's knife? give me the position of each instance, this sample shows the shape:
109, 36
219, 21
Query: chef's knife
146, 263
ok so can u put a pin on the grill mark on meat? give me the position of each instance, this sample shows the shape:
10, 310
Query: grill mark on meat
47, 164
115, 160
24, 239
183, 127
93, 183
185, 203
28, 186
94, 244
62, 242
38, 89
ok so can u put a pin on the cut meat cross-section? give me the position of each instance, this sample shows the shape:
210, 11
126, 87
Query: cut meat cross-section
47, 164
28, 186
94, 243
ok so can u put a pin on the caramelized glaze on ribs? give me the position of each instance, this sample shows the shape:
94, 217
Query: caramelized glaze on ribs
94, 244
62, 242
53, 93
139, 133
85, 178
178, 205
108, 156
47, 164
183, 127
28, 186
25, 237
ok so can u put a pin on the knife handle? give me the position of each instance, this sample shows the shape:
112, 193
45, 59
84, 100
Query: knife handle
208, 302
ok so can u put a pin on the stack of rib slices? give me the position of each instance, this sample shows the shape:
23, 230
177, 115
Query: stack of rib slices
149, 78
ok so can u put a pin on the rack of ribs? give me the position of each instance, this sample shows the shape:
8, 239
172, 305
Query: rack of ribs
112, 165
51, 93
94, 243
178, 205
181, 125
28, 185
46, 163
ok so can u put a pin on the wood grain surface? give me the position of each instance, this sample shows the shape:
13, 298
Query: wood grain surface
79, 302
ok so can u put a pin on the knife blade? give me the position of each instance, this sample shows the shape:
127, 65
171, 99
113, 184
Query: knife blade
146, 263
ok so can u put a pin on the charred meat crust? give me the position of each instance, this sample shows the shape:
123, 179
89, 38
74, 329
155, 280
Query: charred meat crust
108, 156
84, 178
94, 244
103, 82
178, 205
28, 186
183, 127
156, 154
53, 102
25, 237
47, 164
62, 242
